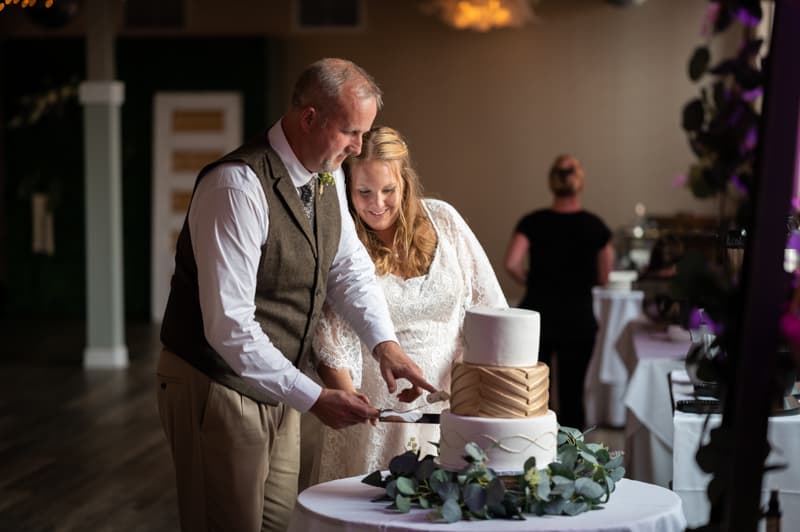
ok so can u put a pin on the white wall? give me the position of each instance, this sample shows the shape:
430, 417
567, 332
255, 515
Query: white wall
486, 113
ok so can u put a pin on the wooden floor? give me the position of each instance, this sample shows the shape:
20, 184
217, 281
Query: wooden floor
83, 450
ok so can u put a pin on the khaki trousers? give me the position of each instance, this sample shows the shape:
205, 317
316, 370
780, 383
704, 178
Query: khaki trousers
236, 460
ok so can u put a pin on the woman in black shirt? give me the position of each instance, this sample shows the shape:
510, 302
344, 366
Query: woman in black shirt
569, 251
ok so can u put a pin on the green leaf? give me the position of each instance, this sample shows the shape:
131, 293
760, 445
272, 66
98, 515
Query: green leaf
554, 507
438, 479
495, 492
589, 457
574, 508
543, 489
423, 502
451, 511
571, 433
584, 469
560, 480
512, 508
403, 504
374, 479
693, 115
565, 490
614, 462
404, 464
474, 452
617, 474
391, 489
568, 455
561, 470
602, 456
698, 183
449, 491
530, 463
532, 477
595, 447
698, 64
406, 486
497, 510
426, 468
475, 498
589, 488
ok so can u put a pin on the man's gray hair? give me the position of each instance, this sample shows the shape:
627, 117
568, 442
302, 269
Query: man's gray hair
321, 83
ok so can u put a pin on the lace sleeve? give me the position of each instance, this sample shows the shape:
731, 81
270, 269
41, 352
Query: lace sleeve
479, 278
336, 345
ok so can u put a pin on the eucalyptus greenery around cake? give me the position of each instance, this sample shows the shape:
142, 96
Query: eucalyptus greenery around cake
582, 478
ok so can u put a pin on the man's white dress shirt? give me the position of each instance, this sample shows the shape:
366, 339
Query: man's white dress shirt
229, 224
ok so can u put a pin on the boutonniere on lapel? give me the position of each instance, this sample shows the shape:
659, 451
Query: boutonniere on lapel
324, 178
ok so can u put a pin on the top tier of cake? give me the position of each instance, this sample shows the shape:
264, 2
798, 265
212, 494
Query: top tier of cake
501, 337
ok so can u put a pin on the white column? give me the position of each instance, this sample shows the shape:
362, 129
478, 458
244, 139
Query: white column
105, 308
102, 98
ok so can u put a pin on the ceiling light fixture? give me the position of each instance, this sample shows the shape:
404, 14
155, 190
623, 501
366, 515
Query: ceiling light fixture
481, 15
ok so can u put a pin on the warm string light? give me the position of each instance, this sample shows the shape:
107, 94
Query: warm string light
24, 3
482, 15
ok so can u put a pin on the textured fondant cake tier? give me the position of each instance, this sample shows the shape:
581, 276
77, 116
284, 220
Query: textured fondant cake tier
501, 337
508, 443
495, 391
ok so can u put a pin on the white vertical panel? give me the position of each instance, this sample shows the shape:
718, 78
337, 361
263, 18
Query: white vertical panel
169, 143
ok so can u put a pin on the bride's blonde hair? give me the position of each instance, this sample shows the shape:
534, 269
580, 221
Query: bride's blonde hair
414, 241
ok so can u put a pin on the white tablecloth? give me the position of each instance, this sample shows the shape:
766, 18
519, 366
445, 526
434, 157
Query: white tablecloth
649, 355
607, 375
344, 505
690, 483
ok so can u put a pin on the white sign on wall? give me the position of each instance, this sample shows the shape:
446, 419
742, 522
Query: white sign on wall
192, 129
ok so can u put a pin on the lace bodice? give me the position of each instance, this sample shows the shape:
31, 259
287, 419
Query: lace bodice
427, 312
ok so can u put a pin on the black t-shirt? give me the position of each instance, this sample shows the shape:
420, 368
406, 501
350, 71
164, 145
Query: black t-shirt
563, 266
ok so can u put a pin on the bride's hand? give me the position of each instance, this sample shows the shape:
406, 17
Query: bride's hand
408, 395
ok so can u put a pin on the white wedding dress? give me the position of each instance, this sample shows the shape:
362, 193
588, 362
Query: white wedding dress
427, 313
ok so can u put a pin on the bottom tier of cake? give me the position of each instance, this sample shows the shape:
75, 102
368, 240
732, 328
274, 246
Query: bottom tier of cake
508, 443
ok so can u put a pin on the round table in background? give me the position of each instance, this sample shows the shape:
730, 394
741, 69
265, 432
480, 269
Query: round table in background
345, 505
606, 377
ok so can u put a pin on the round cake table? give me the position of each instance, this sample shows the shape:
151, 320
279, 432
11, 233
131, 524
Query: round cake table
344, 505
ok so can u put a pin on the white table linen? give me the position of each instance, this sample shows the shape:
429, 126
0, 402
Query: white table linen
344, 505
649, 355
607, 375
690, 483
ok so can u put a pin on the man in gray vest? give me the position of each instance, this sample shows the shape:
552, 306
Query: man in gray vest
267, 238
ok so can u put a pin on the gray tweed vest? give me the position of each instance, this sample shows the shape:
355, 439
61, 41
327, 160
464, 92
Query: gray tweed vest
292, 273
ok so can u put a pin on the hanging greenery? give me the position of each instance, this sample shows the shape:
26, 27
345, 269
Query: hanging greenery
722, 123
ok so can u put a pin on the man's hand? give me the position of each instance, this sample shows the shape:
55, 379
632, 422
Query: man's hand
395, 364
339, 409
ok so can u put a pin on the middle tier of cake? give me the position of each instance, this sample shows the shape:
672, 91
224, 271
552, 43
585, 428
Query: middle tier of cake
499, 392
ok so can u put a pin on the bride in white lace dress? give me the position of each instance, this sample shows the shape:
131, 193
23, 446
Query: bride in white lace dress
431, 268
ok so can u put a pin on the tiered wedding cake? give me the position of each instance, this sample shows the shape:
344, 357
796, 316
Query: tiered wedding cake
499, 394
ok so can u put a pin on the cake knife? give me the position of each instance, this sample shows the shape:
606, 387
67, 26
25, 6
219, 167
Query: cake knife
408, 417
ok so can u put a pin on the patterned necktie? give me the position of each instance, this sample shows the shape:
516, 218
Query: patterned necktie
307, 197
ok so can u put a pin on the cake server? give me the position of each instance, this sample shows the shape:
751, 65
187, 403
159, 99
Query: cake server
413, 415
